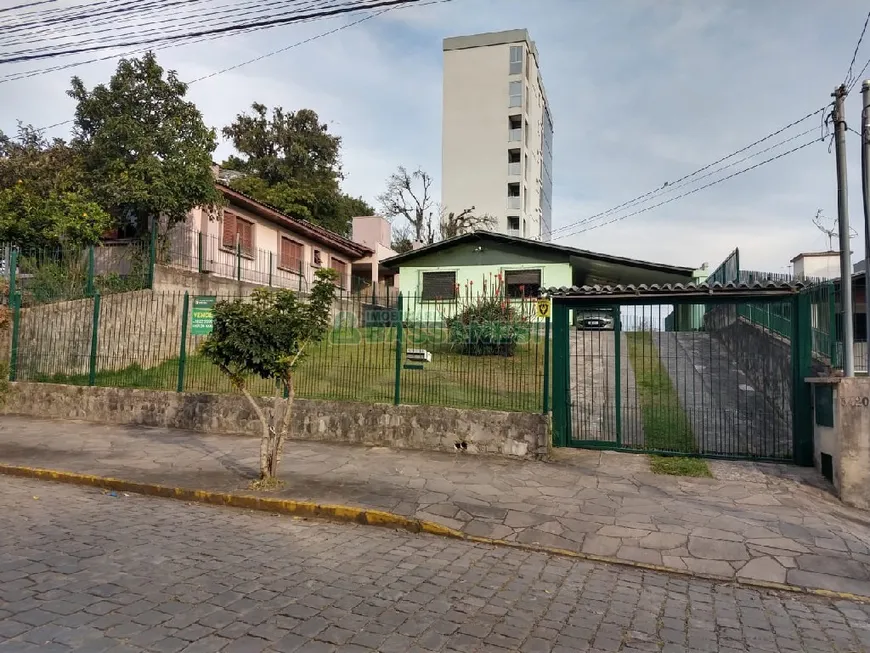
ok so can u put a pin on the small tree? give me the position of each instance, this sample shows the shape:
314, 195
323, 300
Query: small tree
265, 337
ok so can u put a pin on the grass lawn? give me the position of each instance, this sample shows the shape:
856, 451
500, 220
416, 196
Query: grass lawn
665, 425
360, 365
679, 466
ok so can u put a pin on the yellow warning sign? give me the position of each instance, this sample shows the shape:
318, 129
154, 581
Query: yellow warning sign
543, 309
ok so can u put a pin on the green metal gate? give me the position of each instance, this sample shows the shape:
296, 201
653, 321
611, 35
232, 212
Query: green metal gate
670, 374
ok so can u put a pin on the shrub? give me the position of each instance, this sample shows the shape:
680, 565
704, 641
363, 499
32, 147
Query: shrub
488, 324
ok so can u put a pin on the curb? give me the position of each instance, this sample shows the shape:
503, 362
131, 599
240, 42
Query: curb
370, 517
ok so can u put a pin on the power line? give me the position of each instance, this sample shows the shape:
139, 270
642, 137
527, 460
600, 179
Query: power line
849, 79
269, 54
26, 6
648, 195
158, 15
40, 71
695, 190
229, 29
308, 40
670, 188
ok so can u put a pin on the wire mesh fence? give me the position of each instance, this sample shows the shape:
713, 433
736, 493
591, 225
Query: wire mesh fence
374, 351
41, 275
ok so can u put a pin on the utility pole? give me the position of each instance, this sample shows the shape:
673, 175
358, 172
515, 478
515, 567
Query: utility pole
865, 178
839, 116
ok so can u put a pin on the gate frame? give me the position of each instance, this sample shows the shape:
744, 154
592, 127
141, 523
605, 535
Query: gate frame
716, 294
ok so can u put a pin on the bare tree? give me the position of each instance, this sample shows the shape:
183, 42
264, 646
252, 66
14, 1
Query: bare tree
401, 241
456, 224
409, 195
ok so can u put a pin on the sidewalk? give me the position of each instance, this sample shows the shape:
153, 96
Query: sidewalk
753, 522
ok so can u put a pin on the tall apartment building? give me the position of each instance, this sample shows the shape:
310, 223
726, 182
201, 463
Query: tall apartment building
497, 136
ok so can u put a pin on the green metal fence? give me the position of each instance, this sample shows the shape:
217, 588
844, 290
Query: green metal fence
777, 318
374, 352
54, 274
733, 390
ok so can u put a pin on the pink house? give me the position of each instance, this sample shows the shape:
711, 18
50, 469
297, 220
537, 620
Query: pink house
251, 241
375, 233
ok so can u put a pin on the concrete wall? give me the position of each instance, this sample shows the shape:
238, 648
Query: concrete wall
848, 441
140, 327
137, 327
764, 357
523, 435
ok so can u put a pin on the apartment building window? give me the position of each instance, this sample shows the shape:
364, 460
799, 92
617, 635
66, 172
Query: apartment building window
291, 255
513, 197
515, 93
438, 285
317, 258
515, 129
514, 162
522, 283
513, 225
237, 229
341, 269
516, 66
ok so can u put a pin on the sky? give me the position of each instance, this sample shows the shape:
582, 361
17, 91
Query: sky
642, 92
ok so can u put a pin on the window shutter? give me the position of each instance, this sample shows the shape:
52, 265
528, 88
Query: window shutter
438, 285
522, 277
284, 258
229, 231
246, 236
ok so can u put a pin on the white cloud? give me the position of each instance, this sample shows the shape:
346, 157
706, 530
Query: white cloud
642, 92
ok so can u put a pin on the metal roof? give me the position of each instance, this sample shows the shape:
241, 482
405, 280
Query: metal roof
687, 289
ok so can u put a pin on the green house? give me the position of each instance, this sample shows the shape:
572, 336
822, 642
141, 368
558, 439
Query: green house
435, 279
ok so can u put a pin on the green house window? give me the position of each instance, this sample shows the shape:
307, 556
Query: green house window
522, 283
438, 285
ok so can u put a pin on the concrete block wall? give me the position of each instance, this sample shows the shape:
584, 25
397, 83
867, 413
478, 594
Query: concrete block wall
142, 327
464, 431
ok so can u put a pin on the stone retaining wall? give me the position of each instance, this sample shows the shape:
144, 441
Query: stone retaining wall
522, 435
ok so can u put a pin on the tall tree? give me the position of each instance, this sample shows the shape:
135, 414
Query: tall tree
43, 201
409, 196
292, 162
145, 148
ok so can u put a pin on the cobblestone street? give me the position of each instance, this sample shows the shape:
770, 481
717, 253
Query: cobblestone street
88, 571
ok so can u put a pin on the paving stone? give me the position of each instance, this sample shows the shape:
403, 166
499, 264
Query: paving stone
782, 543
622, 531
600, 545
765, 568
253, 573
706, 549
712, 567
636, 554
833, 566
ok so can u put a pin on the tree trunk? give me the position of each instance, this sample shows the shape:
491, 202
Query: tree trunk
283, 426
265, 438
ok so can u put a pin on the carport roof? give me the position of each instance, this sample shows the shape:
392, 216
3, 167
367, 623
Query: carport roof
746, 290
